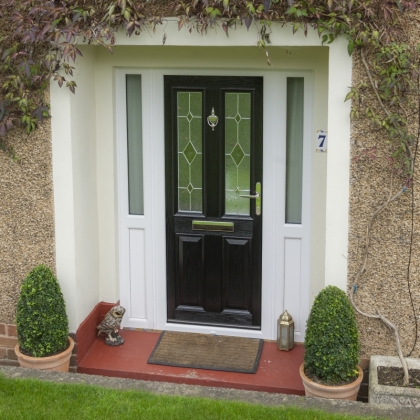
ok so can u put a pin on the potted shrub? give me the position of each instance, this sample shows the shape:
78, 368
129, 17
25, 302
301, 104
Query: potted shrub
42, 323
330, 368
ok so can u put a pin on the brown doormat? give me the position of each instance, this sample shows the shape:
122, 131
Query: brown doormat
205, 351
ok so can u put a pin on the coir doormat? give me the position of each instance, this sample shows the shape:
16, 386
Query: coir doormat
205, 351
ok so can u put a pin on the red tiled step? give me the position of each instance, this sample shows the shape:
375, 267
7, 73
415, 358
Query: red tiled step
278, 371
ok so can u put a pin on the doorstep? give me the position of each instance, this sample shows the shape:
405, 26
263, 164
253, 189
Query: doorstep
278, 371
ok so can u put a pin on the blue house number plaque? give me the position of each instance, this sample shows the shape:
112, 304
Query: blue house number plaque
321, 141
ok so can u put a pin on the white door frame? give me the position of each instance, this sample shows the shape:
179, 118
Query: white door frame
143, 272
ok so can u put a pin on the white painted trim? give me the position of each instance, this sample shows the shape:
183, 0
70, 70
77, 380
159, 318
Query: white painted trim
62, 165
159, 188
338, 166
299, 231
75, 191
281, 35
127, 221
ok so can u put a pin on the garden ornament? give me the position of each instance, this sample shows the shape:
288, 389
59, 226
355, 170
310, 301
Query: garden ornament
110, 325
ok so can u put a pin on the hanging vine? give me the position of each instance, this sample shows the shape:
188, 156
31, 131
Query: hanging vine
39, 42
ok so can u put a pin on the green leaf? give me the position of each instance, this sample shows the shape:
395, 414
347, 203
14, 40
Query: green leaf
350, 47
349, 95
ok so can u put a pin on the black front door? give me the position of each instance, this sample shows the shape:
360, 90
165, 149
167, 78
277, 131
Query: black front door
213, 147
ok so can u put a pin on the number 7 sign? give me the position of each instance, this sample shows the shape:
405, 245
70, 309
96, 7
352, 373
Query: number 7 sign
321, 141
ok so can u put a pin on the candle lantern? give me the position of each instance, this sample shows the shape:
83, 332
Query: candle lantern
285, 332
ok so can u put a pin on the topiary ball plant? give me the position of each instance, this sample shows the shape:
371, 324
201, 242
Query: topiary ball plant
41, 319
331, 340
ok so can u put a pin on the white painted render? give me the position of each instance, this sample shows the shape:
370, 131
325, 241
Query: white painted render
75, 192
338, 168
85, 159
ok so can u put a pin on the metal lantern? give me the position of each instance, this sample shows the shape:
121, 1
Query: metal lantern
285, 332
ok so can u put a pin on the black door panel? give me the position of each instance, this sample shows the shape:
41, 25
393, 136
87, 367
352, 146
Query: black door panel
213, 235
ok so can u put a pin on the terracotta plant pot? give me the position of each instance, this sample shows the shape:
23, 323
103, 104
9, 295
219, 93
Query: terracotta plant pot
344, 392
58, 362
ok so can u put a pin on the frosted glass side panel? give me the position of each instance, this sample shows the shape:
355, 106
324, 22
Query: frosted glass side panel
294, 149
237, 152
135, 145
190, 162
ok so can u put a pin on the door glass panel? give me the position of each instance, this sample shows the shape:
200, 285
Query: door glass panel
134, 145
237, 152
294, 149
190, 162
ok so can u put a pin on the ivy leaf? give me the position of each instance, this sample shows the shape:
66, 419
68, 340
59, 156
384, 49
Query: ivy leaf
248, 21
72, 86
130, 28
76, 17
350, 47
26, 67
349, 96
213, 14
40, 112
225, 28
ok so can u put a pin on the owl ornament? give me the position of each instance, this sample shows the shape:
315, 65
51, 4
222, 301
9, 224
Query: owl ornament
110, 325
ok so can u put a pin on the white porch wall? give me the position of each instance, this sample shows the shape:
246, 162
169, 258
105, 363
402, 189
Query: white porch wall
85, 160
338, 184
75, 191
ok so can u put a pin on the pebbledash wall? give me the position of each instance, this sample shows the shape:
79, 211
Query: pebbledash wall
390, 284
26, 223
75, 231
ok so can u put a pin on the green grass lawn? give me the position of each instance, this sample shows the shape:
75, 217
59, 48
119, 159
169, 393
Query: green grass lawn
34, 399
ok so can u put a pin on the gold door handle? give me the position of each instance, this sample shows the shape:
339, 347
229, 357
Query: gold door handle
256, 197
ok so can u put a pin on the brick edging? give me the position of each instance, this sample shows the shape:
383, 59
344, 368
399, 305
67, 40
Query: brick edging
8, 341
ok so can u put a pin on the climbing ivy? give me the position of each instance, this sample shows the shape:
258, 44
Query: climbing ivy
38, 38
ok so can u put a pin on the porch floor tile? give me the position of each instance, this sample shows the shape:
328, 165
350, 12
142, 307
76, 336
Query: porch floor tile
278, 371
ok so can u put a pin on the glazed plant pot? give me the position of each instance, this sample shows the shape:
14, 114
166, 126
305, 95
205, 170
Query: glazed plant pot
344, 392
58, 362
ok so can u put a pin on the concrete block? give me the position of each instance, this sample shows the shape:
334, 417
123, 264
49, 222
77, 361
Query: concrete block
394, 395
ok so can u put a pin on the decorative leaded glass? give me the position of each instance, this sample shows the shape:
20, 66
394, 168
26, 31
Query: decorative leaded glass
237, 152
190, 166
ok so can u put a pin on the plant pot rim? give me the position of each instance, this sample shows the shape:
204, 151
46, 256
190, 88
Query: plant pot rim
69, 349
338, 387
